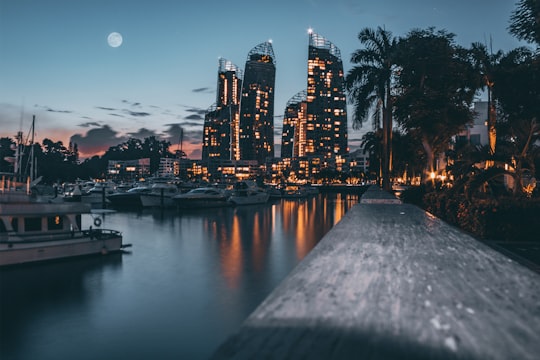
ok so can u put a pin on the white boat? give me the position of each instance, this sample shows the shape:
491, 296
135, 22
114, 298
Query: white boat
160, 195
248, 193
130, 198
33, 231
203, 197
98, 193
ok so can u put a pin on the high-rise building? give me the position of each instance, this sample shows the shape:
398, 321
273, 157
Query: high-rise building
222, 119
257, 105
326, 124
293, 139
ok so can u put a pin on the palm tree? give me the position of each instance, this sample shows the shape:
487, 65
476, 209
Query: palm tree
371, 143
485, 64
368, 85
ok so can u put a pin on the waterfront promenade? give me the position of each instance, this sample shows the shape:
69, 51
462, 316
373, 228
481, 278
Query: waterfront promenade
391, 281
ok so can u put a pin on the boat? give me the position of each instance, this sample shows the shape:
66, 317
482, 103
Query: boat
160, 195
32, 231
247, 192
203, 197
130, 198
98, 193
274, 192
294, 192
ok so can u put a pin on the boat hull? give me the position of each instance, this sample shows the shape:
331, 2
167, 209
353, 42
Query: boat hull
100, 242
125, 199
156, 200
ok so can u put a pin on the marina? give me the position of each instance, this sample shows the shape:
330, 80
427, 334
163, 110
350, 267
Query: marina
187, 283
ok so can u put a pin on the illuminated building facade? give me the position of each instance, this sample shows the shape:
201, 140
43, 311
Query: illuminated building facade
326, 123
293, 139
222, 120
257, 105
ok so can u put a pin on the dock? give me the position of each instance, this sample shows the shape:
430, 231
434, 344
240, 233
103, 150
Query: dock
391, 281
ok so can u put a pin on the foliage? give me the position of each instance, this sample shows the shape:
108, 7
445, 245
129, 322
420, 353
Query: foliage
436, 86
133, 149
369, 88
505, 218
525, 21
516, 86
6, 152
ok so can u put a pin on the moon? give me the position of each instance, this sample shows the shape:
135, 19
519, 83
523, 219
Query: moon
114, 39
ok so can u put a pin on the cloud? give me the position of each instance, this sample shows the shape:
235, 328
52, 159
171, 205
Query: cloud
142, 133
195, 110
194, 137
136, 113
206, 90
60, 111
194, 117
132, 103
195, 154
173, 133
48, 109
106, 108
96, 141
89, 124
188, 124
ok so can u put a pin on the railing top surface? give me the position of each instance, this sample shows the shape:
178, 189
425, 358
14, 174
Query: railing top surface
392, 281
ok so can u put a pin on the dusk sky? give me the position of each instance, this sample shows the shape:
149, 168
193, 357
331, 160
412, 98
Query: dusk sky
56, 63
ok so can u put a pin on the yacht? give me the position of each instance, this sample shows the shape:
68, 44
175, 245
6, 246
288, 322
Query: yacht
203, 197
130, 198
160, 195
32, 231
247, 192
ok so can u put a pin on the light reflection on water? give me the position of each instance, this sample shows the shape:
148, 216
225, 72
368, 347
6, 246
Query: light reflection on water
189, 281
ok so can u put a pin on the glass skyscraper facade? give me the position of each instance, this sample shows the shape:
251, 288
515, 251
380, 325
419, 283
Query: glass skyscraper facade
326, 123
240, 125
222, 119
257, 105
293, 139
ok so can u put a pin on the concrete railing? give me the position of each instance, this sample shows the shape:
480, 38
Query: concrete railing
391, 281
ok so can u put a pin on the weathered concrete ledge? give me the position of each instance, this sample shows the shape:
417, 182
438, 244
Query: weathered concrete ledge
390, 281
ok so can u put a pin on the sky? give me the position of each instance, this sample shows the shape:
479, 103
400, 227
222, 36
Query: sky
56, 63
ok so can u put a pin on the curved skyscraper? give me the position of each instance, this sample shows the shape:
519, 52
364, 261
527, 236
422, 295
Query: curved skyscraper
257, 105
293, 139
326, 125
221, 121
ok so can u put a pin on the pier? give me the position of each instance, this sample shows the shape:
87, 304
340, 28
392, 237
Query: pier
391, 281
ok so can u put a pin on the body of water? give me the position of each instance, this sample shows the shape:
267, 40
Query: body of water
189, 281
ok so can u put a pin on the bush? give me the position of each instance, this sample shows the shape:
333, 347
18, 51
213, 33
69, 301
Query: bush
502, 219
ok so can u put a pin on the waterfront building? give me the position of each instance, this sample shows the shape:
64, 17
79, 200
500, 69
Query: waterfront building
293, 139
222, 119
257, 105
476, 133
128, 170
326, 123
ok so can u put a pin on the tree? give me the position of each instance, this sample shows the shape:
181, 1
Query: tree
134, 149
56, 162
485, 64
408, 157
7, 154
525, 21
517, 89
369, 88
372, 144
435, 89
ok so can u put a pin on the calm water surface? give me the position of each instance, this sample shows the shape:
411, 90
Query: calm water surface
189, 281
